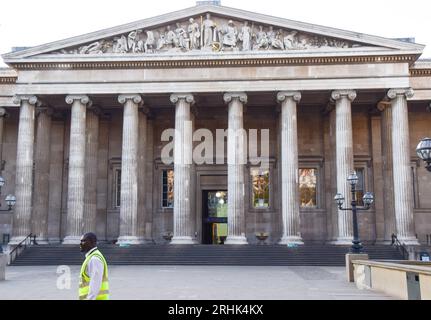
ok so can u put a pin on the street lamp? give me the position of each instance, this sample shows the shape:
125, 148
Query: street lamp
423, 150
10, 199
368, 199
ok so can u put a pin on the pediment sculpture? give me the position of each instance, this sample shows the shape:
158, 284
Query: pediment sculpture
209, 34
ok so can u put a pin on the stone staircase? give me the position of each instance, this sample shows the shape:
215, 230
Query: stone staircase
222, 255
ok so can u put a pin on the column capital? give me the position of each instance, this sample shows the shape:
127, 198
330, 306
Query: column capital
84, 99
407, 92
47, 110
33, 100
3, 113
188, 97
338, 94
145, 110
283, 95
229, 96
136, 98
96, 110
383, 105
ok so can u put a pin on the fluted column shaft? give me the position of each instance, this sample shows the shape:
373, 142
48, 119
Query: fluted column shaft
403, 192
41, 175
76, 181
236, 159
344, 162
183, 153
3, 115
129, 170
91, 152
24, 169
388, 184
289, 167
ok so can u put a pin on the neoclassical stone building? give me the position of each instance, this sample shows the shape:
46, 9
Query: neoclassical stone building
83, 120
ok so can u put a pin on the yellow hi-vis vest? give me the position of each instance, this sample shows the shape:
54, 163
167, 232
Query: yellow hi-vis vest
84, 279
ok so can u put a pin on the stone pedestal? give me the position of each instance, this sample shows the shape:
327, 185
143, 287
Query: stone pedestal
129, 171
183, 154
24, 169
289, 167
349, 265
344, 160
236, 160
76, 181
3, 263
403, 191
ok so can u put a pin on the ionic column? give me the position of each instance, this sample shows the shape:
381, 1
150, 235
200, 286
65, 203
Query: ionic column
388, 179
183, 153
41, 175
76, 181
129, 171
91, 168
403, 192
3, 114
289, 167
24, 168
344, 160
236, 159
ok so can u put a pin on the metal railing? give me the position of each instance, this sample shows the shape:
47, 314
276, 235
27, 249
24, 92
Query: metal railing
20, 247
400, 247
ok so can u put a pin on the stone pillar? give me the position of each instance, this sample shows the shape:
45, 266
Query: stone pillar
143, 183
41, 175
76, 181
129, 171
344, 160
183, 153
289, 167
403, 190
3, 114
91, 168
236, 159
388, 175
21, 226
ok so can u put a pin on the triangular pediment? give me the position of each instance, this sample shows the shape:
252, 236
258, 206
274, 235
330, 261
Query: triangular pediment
211, 29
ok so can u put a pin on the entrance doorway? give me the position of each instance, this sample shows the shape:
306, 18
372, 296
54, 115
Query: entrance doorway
214, 219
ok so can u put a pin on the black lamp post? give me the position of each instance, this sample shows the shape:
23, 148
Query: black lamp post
368, 199
423, 150
10, 199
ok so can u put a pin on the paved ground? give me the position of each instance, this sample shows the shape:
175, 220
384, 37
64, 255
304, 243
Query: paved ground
189, 283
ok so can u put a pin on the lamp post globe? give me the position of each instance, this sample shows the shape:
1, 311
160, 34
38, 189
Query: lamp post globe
423, 151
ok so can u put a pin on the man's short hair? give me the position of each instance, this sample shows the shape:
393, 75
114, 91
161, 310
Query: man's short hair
91, 236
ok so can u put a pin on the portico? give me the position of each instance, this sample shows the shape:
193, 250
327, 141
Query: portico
98, 155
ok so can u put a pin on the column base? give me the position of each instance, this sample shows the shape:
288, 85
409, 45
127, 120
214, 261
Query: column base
291, 240
129, 240
241, 240
72, 240
342, 241
182, 240
409, 241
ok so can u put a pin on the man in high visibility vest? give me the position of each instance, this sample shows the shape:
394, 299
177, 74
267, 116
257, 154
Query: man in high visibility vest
93, 278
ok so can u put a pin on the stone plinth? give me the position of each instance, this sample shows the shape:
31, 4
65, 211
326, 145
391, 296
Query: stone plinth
349, 265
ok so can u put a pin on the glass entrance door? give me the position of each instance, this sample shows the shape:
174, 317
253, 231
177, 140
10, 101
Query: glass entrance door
214, 217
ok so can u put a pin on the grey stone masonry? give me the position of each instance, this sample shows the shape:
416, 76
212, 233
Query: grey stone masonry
76, 181
24, 168
183, 148
41, 175
3, 115
344, 159
289, 167
403, 193
129, 171
236, 159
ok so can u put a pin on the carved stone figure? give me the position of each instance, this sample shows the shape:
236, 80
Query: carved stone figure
93, 48
262, 40
275, 39
194, 34
182, 39
208, 30
150, 42
291, 40
171, 38
120, 44
245, 37
229, 35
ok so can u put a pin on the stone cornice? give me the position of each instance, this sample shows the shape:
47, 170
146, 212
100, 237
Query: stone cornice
420, 72
214, 63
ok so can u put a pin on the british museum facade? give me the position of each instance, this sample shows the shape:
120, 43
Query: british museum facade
215, 125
